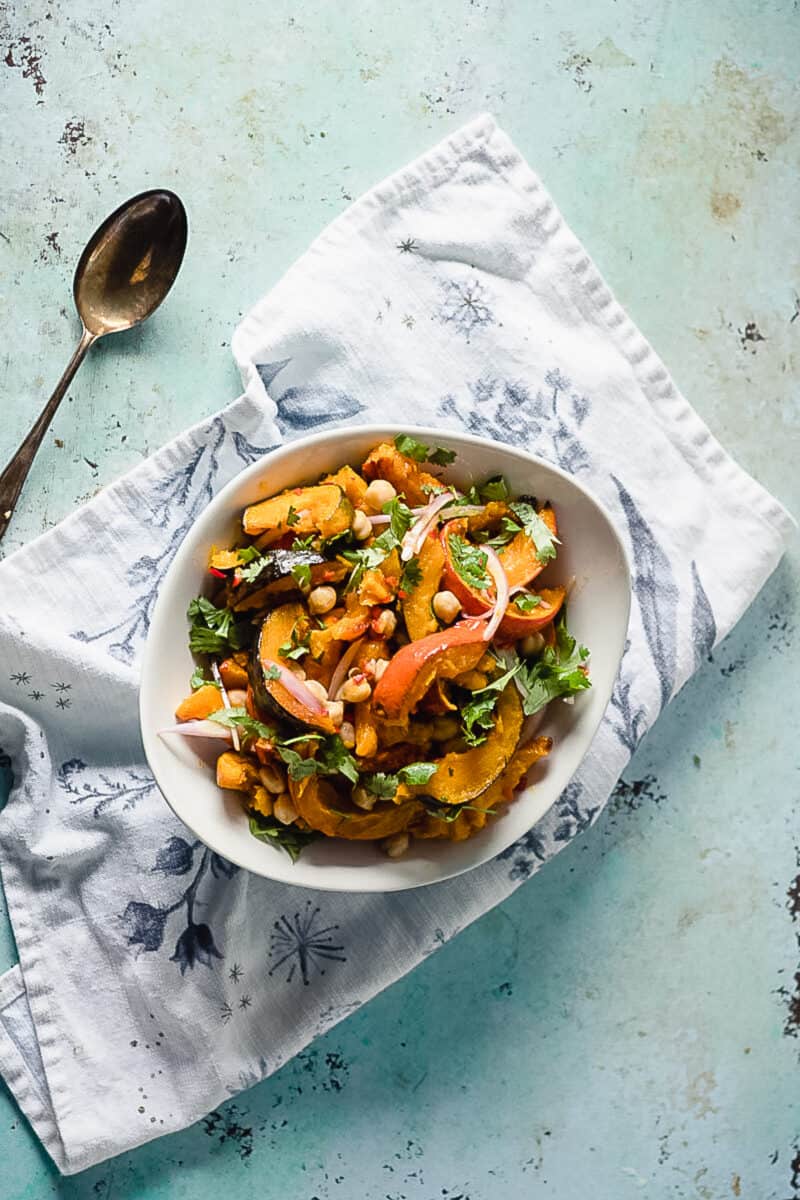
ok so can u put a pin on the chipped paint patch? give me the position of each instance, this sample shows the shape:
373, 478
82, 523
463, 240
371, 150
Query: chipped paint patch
24, 55
74, 136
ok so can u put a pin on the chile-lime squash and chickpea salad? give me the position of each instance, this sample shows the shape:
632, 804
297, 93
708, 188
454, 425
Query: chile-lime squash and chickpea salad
373, 649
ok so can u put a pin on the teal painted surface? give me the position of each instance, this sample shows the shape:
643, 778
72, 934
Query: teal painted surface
623, 1025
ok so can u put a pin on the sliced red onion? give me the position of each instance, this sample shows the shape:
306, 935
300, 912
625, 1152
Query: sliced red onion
340, 673
295, 686
414, 538
226, 701
199, 729
495, 569
379, 519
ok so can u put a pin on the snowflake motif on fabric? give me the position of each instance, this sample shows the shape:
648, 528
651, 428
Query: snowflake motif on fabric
300, 943
20, 678
464, 306
124, 792
407, 246
145, 924
545, 422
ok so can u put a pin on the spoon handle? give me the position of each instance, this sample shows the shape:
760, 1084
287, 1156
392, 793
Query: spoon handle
15, 474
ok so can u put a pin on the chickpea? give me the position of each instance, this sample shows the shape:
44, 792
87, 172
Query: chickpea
335, 712
237, 696
446, 606
348, 734
531, 644
362, 526
355, 690
317, 690
284, 810
396, 845
273, 778
385, 623
379, 492
321, 600
379, 668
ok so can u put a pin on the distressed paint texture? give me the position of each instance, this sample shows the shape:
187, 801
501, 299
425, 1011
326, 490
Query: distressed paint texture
633, 1016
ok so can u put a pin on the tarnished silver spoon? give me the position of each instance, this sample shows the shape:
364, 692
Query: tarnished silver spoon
125, 271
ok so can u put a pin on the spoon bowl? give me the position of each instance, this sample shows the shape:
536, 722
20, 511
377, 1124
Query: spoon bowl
130, 262
126, 269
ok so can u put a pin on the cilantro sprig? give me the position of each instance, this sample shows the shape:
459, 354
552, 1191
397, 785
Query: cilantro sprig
212, 630
384, 785
535, 529
527, 601
477, 716
417, 450
411, 576
288, 837
237, 717
559, 671
469, 562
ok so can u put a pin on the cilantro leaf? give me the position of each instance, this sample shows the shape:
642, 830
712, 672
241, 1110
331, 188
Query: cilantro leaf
335, 757
411, 576
402, 518
495, 488
469, 562
305, 542
296, 647
478, 714
213, 630
364, 560
292, 516
411, 447
450, 812
536, 530
248, 554
418, 773
297, 767
526, 601
199, 680
301, 574
272, 671
557, 672
288, 837
237, 717
381, 785
252, 569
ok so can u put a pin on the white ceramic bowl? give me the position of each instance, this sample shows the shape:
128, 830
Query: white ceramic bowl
598, 616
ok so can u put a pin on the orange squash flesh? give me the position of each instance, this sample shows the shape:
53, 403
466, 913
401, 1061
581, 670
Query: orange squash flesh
414, 667
519, 557
473, 600
516, 624
324, 509
417, 611
325, 810
351, 483
201, 704
461, 776
275, 632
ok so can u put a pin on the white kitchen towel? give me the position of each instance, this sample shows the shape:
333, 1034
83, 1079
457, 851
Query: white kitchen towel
155, 979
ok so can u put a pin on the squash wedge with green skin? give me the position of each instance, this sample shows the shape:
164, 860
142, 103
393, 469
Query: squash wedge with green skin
351, 483
415, 666
322, 509
461, 776
270, 694
405, 475
275, 582
331, 813
483, 807
417, 607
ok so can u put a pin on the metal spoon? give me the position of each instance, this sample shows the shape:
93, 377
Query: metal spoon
125, 271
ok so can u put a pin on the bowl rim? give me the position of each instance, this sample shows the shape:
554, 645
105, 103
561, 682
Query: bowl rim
381, 432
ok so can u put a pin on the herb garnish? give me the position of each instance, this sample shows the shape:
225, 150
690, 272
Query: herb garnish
469, 562
248, 553
536, 530
304, 543
526, 601
292, 516
478, 715
288, 837
449, 812
385, 785
199, 680
213, 630
301, 574
411, 448
411, 576
402, 518
559, 671
237, 717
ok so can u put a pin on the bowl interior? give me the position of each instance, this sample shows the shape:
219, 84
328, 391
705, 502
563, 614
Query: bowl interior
598, 616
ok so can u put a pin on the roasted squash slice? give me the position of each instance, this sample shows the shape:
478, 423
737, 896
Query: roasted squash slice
201, 704
519, 557
460, 777
332, 813
417, 611
516, 624
271, 694
406, 476
473, 600
351, 483
322, 509
414, 667
276, 582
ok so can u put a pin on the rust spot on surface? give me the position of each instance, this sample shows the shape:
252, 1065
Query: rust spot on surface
74, 135
724, 205
28, 60
736, 1185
